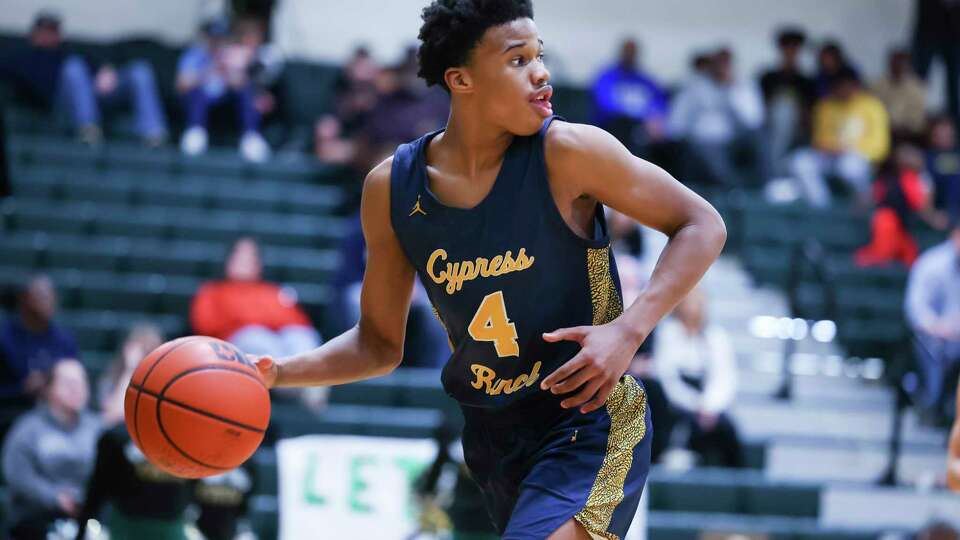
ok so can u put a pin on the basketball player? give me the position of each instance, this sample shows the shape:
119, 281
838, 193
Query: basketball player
500, 216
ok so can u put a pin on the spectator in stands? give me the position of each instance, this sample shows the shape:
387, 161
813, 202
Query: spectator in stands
357, 90
788, 95
31, 341
112, 387
146, 502
255, 315
832, 62
46, 75
406, 109
695, 363
49, 453
899, 192
943, 165
850, 134
628, 102
936, 33
223, 502
717, 115
933, 312
262, 62
213, 72
905, 97
953, 452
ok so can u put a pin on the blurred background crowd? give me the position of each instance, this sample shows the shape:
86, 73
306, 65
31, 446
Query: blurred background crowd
149, 191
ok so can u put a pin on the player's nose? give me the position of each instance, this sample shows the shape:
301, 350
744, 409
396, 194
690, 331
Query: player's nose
541, 75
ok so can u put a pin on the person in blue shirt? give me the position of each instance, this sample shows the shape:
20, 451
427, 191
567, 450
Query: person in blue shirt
44, 74
31, 342
625, 98
943, 165
216, 71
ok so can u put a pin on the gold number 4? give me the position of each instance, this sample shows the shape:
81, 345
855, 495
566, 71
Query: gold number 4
490, 323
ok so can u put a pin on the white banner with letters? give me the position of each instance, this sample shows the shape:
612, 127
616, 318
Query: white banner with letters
337, 486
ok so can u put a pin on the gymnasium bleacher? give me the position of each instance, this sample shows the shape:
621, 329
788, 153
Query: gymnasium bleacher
129, 233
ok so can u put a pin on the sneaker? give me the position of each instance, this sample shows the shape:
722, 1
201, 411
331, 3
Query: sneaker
194, 141
90, 134
253, 147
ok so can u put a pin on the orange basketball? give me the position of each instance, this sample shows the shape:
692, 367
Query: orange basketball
196, 407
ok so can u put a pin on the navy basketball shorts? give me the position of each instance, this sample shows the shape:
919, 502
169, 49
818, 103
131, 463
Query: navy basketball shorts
540, 466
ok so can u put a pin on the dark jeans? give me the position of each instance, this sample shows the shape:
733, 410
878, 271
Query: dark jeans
937, 359
197, 103
740, 161
719, 446
924, 51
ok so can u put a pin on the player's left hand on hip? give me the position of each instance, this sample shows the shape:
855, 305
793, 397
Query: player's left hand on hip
604, 356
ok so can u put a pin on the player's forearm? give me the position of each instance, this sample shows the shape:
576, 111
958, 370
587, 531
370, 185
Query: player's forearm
683, 262
351, 356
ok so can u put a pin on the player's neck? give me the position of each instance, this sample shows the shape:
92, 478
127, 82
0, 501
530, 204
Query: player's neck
471, 145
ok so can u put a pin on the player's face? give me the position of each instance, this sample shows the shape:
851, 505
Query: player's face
509, 78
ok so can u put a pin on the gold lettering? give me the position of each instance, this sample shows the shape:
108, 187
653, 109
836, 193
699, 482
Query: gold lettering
460, 272
487, 380
484, 375
495, 265
437, 254
508, 263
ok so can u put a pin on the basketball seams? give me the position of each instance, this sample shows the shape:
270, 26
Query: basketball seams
161, 397
136, 402
164, 399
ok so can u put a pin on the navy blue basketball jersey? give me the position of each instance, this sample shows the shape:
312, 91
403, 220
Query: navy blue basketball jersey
502, 273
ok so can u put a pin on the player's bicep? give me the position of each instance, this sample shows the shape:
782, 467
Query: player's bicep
604, 169
388, 279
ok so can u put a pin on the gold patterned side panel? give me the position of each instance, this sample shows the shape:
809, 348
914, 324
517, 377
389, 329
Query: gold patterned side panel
607, 304
627, 406
439, 320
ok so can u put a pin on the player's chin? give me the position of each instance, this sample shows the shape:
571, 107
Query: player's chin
527, 123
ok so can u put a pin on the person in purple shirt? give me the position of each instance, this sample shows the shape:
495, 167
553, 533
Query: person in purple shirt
625, 98
30, 341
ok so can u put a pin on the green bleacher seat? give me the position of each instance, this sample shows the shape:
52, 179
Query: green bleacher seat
144, 223
693, 496
264, 516
97, 193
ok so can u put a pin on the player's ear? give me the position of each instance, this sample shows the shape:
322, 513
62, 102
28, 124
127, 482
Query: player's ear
458, 80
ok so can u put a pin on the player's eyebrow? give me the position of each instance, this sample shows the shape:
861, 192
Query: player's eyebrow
521, 43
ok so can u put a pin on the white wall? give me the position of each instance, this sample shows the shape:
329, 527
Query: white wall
172, 21
582, 35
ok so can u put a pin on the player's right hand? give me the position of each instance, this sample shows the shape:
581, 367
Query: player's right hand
267, 367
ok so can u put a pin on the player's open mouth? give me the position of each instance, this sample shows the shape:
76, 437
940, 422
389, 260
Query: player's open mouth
541, 101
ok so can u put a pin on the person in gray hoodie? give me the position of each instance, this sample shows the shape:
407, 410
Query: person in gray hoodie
49, 453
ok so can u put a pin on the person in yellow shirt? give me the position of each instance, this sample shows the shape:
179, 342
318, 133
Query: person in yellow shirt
851, 134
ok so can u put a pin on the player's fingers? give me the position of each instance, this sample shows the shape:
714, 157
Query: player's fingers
564, 371
598, 399
574, 381
575, 333
584, 395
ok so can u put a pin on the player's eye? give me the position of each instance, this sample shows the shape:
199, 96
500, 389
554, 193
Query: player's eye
518, 61
541, 56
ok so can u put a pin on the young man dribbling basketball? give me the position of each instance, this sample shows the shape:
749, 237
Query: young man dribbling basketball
500, 216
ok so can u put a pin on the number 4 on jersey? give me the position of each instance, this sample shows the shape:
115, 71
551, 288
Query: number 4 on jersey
490, 323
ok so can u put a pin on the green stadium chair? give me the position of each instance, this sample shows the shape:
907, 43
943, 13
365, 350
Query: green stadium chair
52, 218
21, 250
181, 196
781, 500
97, 193
265, 473
692, 496
149, 223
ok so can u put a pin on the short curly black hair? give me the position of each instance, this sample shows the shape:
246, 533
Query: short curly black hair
452, 28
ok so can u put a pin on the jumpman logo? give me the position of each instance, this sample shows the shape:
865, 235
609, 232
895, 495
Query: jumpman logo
417, 208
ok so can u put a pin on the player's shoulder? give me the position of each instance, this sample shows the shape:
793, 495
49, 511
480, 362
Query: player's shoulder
378, 178
571, 141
